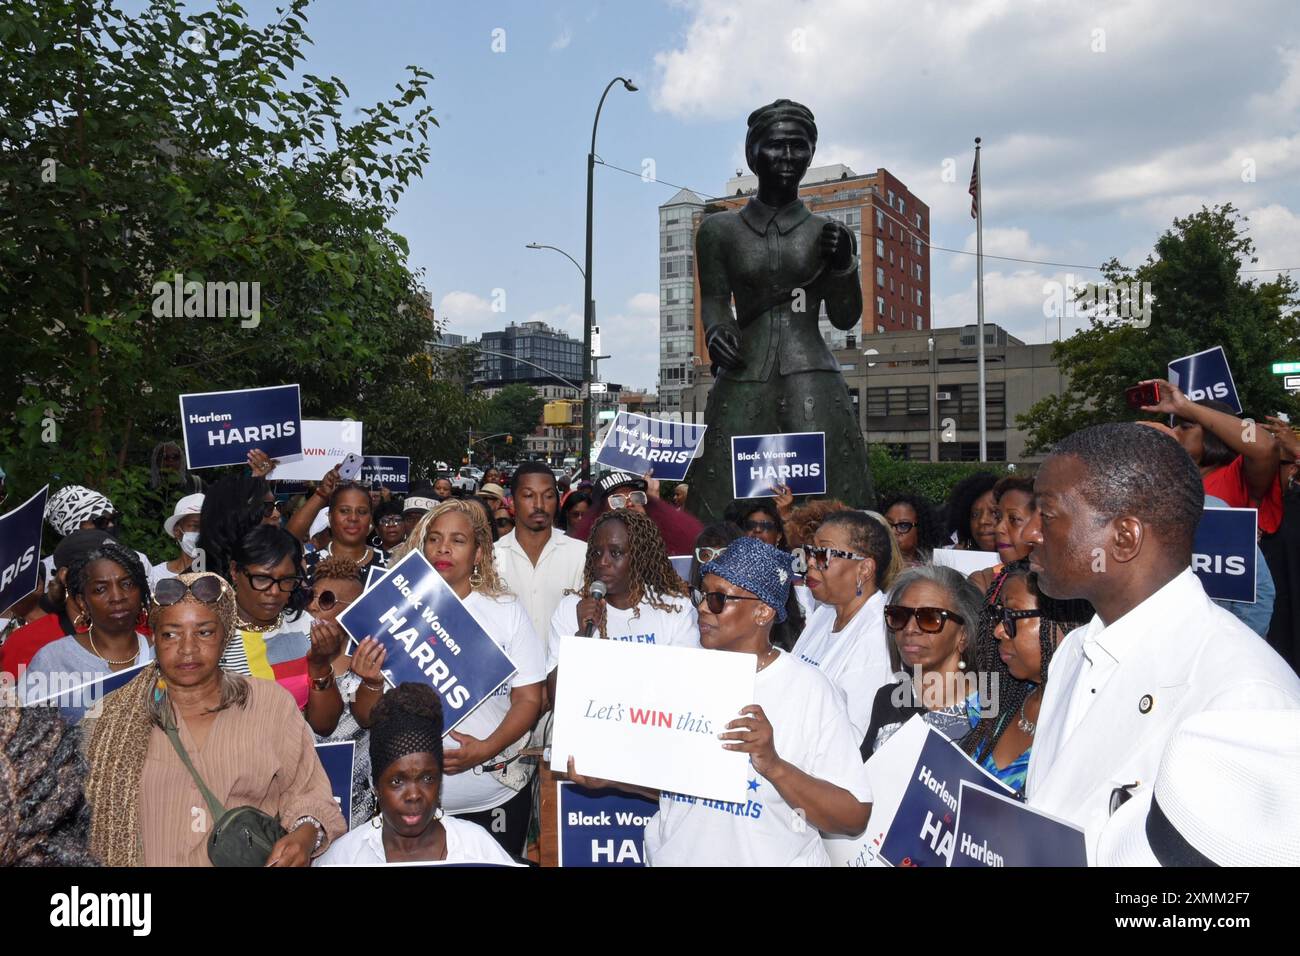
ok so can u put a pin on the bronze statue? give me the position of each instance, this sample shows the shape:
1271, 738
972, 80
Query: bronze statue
774, 372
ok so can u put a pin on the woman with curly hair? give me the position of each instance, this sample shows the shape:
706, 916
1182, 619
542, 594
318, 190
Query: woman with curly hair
1019, 631
645, 600
916, 529
111, 586
1013, 500
486, 783
972, 513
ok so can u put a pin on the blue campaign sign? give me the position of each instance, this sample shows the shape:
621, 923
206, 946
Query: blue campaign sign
20, 549
993, 830
601, 827
337, 758
760, 462
637, 444
391, 471
373, 575
84, 697
1224, 553
430, 637
1206, 375
221, 428
924, 826
682, 565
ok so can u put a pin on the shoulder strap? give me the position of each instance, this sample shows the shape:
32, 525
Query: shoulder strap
214, 805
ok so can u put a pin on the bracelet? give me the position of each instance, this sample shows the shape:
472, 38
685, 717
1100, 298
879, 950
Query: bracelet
323, 683
377, 688
320, 831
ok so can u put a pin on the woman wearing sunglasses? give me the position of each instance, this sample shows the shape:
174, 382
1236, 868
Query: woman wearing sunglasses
338, 583
1027, 627
274, 639
111, 587
915, 527
932, 616
485, 781
244, 738
645, 601
847, 564
806, 777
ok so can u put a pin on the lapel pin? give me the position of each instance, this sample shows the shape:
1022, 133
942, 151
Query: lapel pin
1146, 703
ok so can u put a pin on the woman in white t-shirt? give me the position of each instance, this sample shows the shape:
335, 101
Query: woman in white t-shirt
645, 600
806, 774
848, 566
411, 827
486, 782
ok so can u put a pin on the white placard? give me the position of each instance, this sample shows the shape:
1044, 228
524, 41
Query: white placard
650, 715
324, 445
967, 562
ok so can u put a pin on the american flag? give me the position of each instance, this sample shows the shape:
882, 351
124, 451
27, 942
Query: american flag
974, 187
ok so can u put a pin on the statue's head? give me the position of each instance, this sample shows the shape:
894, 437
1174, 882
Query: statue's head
780, 143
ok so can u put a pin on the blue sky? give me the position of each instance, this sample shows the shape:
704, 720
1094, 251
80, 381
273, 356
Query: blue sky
1101, 122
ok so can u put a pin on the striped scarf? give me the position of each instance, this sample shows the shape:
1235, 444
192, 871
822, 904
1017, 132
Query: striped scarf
118, 743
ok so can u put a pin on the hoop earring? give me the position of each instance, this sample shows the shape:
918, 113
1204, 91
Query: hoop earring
476, 578
83, 620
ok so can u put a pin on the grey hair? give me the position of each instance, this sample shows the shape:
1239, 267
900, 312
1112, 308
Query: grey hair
966, 601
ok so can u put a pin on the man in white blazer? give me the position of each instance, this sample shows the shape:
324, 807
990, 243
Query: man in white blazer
1118, 507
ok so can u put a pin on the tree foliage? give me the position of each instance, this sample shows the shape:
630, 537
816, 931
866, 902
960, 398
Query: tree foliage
1199, 300
514, 411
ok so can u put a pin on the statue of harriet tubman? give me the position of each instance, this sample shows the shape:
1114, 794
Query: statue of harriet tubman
774, 371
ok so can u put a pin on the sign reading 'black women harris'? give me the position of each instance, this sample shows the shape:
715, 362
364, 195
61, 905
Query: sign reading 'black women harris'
221, 428
20, 549
430, 637
761, 462
389, 471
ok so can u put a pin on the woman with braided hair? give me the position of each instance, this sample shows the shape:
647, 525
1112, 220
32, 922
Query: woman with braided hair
485, 781
1020, 629
44, 817
645, 601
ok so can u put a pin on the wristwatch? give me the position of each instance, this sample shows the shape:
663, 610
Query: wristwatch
324, 683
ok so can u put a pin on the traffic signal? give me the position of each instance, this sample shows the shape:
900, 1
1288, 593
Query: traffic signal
510, 439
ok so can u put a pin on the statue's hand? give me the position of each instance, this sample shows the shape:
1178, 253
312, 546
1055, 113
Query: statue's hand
724, 348
837, 245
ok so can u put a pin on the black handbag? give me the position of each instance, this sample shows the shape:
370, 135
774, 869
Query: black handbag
243, 836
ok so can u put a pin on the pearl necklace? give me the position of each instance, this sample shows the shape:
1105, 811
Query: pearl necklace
90, 635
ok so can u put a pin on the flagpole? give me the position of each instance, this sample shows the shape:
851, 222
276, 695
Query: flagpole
979, 298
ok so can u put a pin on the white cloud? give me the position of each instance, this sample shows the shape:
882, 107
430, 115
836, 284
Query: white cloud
631, 337
1276, 232
467, 313
1013, 242
1014, 300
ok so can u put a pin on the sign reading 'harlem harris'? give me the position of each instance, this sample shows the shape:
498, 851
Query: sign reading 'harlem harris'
221, 428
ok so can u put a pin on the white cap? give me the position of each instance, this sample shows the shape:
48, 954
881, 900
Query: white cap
319, 523
189, 505
1227, 794
418, 503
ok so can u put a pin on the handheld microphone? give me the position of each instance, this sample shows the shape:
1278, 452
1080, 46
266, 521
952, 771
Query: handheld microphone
598, 592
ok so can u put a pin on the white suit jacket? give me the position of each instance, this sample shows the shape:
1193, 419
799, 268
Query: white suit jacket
1179, 654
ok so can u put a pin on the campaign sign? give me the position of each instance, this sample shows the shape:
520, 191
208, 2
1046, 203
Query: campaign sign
1206, 375
373, 574
337, 758
967, 562
650, 715
84, 695
760, 462
1224, 553
221, 428
391, 471
20, 549
682, 565
430, 637
637, 444
601, 827
325, 443
994, 830
923, 830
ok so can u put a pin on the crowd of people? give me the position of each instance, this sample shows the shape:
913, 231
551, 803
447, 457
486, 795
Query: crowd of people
1083, 665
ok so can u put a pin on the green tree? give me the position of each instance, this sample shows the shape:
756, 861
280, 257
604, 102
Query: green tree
1199, 300
516, 411
136, 150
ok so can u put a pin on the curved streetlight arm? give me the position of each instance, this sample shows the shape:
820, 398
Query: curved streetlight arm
507, 355
576, 265
631, 87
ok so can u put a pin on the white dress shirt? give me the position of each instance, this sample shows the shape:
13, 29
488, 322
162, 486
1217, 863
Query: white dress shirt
539, 587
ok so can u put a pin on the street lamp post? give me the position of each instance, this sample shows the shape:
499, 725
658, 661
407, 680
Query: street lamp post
587, 305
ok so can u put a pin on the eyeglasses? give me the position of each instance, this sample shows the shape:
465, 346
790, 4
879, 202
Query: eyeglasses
1008, 617
264, 582
169, 591
811, 556
760, 526
269, 508
325, 600
931, 620
903, 527
632, 498
716, 600
391, 521
106, 522
706, 554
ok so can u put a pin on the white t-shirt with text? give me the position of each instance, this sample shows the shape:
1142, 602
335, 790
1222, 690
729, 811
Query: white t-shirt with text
855, 659
643, 624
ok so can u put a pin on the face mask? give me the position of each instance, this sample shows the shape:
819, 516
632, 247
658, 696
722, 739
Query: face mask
190, 543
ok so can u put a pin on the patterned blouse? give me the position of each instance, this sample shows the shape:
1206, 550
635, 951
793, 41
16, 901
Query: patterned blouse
1014, 773
363, 791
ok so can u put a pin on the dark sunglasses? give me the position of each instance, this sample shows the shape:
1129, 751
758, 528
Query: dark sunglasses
716, 600
264, 582
903, 527
811, 556
760, 526
269, 508
325, 600
929, 619
1008, 617
169, 591
105, 522
505, 522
